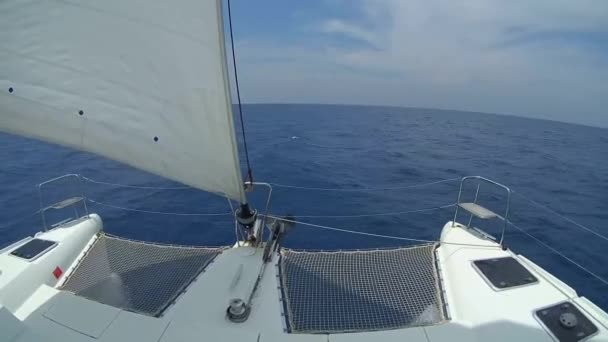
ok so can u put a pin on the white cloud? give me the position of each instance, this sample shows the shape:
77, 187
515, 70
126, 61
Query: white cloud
506, 56
350, 30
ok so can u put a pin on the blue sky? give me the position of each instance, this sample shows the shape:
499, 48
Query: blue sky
540, 58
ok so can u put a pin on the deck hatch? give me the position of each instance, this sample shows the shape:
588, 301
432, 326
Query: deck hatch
566, 322
504, 273
348, 291
33, 249
137, 276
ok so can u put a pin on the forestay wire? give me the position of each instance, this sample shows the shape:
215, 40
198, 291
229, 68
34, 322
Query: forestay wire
238, 94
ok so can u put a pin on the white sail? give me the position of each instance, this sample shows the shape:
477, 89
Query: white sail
143, 82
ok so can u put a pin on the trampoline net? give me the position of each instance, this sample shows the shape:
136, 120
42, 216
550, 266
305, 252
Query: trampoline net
137, 276
346, 291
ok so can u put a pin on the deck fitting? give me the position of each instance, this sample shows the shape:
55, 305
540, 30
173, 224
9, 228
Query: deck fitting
238, 311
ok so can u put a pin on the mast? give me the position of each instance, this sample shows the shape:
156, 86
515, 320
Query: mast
245, 215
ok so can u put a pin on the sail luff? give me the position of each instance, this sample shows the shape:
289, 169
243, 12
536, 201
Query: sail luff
141, 82
222, 44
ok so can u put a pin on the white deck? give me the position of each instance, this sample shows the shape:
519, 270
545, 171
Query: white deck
31, 309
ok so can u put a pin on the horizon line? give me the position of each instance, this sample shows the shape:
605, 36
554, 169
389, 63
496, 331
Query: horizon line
425, 108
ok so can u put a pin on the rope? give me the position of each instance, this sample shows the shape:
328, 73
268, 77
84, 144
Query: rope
559, 253
365, 189
393, 237
157, 212
544, 207
380, 214
238, 93
349, 231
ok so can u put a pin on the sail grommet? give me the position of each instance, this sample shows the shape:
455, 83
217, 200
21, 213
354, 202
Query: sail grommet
10, 90
155, 139
81, 112
238, 311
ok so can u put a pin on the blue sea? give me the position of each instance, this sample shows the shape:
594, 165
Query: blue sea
558, 165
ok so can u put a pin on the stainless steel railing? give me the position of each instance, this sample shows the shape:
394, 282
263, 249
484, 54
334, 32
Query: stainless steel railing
77, 197
478, 211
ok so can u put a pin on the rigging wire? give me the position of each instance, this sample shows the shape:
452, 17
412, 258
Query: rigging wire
136, 186
278, 185
559, 253
238, 94
306, 216
544, 244
400, 187
158, 212
392, 237
380, 214
365, 189
581, 267
565, 218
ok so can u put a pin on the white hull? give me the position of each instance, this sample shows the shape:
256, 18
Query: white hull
33, 309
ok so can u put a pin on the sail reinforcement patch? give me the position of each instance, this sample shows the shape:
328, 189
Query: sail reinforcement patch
347, 291
137, 276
